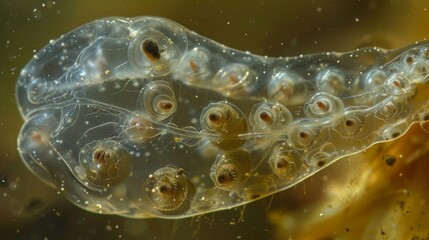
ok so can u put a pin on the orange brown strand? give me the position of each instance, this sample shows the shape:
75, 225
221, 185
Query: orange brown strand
193, 65
36, 136
396, 83
233, 79
266, 117
100, 156
322, 105
165, 105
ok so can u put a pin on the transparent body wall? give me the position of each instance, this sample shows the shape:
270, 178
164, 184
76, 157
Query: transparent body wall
144, 118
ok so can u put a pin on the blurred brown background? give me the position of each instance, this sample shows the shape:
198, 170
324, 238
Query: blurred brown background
31, 210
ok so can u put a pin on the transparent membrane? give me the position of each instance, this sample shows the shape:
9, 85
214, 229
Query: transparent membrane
143, 118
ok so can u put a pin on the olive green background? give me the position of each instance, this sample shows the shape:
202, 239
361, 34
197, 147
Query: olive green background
31, 210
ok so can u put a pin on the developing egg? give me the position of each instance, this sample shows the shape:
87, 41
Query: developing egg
106, 162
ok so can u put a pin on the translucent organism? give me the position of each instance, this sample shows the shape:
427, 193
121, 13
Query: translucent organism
143, 118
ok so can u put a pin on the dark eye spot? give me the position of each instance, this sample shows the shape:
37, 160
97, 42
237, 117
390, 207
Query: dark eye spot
151, 50
281, 164
214, 117
395, 134
349, 122
225, 177
409, 60
303, 135
164, 188
221, 178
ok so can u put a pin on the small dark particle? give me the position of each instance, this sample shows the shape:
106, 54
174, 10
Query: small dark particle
347, 230
390, 160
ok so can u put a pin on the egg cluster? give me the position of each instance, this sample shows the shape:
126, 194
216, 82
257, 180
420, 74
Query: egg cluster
144, 118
